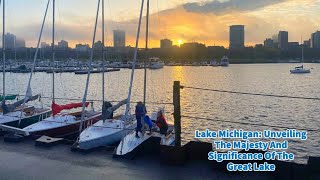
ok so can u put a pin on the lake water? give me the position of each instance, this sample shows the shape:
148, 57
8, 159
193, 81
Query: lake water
255, 78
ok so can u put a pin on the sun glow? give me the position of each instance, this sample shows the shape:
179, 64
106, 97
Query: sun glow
180, 42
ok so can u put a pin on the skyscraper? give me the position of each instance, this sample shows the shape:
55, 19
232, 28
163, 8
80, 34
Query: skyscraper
283, 40
165, 43
63, 44
236, 36
315, 40
119, 38
10, 41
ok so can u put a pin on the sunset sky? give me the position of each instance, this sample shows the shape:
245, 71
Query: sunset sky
185, 20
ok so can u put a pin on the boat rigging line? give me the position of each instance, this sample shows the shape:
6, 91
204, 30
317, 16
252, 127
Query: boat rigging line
253, 94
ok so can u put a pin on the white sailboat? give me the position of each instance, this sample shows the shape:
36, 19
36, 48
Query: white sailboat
107, 131
300, 69
130, 143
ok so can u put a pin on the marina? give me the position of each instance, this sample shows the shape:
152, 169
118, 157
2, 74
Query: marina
257, 110
181, 111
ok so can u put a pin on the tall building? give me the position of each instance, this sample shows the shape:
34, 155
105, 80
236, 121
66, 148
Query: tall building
307, 43
283, 40
119, 38
82, 47
10, 41
268, 43
44, 45
20, 43
293, 45
63, 44
236, 36
98, 45
165, 43
315, 40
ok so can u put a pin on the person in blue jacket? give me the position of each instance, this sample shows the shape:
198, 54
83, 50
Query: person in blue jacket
140, 113
148, 121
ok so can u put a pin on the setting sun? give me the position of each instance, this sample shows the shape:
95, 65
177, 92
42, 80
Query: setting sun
180, 42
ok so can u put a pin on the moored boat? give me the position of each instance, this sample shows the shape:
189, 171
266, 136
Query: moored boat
224, 61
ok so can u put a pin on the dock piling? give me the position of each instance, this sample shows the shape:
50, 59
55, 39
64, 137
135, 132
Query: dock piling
177, 113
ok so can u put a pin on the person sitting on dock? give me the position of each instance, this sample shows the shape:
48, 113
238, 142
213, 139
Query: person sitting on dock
162, 123
140, 113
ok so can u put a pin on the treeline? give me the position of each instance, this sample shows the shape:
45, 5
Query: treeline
185, 53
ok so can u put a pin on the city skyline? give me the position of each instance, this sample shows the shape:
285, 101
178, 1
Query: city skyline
179, 21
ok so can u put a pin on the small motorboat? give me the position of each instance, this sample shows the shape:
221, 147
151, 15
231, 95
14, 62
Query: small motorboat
224, 61
300, 70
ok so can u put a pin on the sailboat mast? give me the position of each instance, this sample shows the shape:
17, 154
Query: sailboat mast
134, 62
53, 49
89, 70
145, 60
3, 52
103, 63
302, 58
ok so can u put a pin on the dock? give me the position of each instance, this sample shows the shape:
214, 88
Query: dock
96, 71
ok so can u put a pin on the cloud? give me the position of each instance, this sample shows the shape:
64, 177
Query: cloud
261, 20
218, 7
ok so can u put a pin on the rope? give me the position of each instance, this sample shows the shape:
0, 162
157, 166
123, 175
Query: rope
253, 94
93, 100
244, 123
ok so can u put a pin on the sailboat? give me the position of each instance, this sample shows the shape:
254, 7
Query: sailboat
300, 69
19, 114
108, 130
130, 143
63, 124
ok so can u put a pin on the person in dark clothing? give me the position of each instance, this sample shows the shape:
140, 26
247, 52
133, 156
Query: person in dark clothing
140, 113
105, 113
162, 123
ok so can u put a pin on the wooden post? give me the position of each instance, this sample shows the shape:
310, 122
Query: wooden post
177, 113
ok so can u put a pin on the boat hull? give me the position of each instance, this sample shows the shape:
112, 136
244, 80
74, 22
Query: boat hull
68, 129
108, 139
29, 120
300, 71
130, 146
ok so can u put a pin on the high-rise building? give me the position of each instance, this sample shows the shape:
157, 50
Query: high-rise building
44, 45
165, 43
63, 44
98, 45
315, 40
236, 36
293, 45
307, 43
119, 38
82, 47
20, 43
268, 43
283, 40
10, 41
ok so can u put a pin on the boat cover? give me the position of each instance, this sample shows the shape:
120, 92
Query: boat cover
10, 98
11, 107
58, 108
